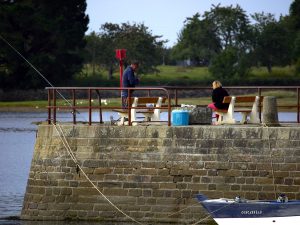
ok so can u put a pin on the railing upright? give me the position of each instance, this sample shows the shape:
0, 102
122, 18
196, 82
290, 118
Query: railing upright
298, 105
259, 103
49, 106
74, 104
90, 105
129, 107
54, 104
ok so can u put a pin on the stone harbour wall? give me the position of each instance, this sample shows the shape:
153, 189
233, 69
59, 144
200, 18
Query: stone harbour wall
153, 173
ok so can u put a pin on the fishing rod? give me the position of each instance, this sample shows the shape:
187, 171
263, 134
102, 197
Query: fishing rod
39, 73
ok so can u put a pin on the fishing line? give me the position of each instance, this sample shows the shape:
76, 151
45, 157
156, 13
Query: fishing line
39, 73
62, 136
208, 216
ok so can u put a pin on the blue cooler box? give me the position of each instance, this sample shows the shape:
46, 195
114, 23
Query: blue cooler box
180, 118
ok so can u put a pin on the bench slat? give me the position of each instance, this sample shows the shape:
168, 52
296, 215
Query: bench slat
144, 100
241, 99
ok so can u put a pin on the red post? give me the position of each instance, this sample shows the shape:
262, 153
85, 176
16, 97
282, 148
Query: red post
121, 55
121, 72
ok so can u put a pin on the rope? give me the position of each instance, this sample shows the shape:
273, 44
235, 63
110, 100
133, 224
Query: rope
205, 218
62, 136
271, 158
273, 176
73, 157
182, 210
39, 73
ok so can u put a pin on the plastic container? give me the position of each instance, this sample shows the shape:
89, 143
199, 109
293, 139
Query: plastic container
180, 118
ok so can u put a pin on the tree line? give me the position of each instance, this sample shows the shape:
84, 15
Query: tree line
226, 40
52, 36
49, 34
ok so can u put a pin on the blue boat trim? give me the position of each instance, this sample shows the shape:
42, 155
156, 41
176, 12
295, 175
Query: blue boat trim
228, 208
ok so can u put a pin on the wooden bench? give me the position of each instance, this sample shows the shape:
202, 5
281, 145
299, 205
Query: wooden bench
227, 116
151, 113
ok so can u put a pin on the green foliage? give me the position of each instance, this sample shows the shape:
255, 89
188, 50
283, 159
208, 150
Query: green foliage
229, 64
140, 44
272, 42
224, 38
197, 41
220, 39
294, 13
297, 69
49, 34
230, 24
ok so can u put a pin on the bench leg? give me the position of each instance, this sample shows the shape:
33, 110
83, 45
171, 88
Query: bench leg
121, 122
225, 118
254, 115
244, 117
123, 116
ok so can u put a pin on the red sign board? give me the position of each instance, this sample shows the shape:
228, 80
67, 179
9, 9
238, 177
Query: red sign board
120, 54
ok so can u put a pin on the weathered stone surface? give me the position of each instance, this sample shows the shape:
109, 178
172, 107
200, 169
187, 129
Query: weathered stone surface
270, 114
200, 115
149, 171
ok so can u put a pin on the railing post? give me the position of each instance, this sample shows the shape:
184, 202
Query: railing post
129, 108
49, 106
169, 111
176, 100
259, 104
100, 105
90, 106
74, 105
298, 105
54, 105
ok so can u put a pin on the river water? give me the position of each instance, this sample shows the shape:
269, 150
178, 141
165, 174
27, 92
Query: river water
17, 138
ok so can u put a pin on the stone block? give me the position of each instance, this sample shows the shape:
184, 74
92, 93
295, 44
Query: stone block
135, 192
200, 115
263, 180
269, 113
222, 161
115, 192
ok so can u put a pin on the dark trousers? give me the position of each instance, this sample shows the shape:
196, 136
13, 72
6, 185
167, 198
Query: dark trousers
124, 102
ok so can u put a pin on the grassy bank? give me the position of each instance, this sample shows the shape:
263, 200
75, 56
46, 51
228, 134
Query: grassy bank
284, 98
181, 76
191, 76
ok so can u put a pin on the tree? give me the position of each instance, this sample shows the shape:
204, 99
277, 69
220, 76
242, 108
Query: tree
295, 14
232, 27
272, 43
197, 41
204, 38
295, 29
230, 63
139, 42
49, 34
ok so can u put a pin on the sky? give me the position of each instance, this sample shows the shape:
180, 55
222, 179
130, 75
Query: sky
166, 17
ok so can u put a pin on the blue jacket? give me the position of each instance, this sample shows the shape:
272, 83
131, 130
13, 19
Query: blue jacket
128, 80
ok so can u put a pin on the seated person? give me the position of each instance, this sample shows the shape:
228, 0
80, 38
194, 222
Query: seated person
218, 95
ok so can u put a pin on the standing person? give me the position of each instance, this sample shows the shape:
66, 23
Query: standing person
129, 79
217, 96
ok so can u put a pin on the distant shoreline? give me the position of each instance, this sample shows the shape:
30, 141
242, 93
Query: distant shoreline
22, 109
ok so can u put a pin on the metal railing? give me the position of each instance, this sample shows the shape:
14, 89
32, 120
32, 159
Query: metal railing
53, 93
171, 93
175, 92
